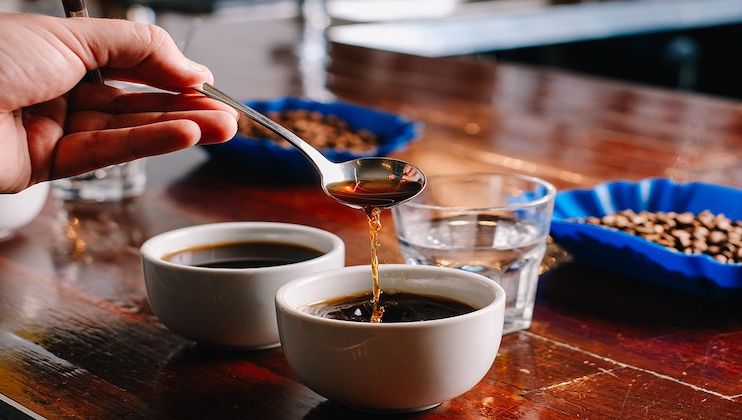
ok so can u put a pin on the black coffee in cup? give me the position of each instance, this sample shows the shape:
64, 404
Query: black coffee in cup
397, 307
243, 255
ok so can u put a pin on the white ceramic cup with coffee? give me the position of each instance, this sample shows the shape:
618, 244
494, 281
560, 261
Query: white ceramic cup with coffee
398, 367
230, 307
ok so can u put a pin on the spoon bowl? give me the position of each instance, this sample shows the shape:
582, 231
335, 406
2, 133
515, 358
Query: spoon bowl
375, 182
359, 183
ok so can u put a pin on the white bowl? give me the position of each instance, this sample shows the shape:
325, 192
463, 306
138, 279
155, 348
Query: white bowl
228, 307
17, 210
407, 366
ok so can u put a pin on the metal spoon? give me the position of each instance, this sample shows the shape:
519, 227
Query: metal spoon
358, 183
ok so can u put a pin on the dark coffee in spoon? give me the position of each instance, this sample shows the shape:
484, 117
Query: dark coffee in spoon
398, 307
243, 255
374, 192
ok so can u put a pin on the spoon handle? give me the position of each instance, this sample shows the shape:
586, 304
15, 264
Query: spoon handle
323, 165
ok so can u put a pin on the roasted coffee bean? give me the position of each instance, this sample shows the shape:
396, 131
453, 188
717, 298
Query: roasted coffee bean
700, 232
724, 224
717, 237
705, 233
685, 218
700, 246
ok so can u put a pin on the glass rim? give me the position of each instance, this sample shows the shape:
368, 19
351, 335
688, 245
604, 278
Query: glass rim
549, 196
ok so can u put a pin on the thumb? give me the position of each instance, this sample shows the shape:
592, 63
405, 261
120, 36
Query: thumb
135, 52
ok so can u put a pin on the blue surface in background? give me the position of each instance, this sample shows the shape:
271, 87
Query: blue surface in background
268, 158
636, 257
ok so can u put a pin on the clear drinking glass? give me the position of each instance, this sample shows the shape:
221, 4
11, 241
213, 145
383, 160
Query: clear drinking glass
112, 183
492, 224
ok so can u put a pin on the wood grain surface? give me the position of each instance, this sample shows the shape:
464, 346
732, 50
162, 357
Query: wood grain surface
78, 338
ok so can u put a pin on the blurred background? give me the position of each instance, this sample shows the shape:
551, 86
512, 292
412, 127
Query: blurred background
680, 44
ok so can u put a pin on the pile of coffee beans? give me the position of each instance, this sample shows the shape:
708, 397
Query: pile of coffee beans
321, 131
704, 233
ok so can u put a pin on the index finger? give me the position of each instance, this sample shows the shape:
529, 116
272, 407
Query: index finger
133, 51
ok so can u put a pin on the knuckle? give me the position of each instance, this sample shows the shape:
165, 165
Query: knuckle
157, 36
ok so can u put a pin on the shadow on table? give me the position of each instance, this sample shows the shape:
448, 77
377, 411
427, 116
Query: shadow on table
588, 293
223, 193
202, 382
333, 410
229, 184
231, 174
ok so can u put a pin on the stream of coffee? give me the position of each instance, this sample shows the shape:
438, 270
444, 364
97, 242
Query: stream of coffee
374, 227
372, 196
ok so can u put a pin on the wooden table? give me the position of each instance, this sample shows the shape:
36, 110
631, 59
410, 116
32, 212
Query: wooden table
77, 337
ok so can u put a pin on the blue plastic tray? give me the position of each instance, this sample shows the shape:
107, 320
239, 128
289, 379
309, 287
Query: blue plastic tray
266, 157
636, 257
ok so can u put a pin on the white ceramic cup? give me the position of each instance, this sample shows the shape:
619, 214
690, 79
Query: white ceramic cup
229, 307
407, 366
17, 210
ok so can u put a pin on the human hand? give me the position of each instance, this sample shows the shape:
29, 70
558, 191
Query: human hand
51, 127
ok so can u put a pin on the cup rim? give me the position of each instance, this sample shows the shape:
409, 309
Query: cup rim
282, 305
549, 196
147, 248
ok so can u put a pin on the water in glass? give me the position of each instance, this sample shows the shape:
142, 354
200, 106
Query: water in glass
504, 249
